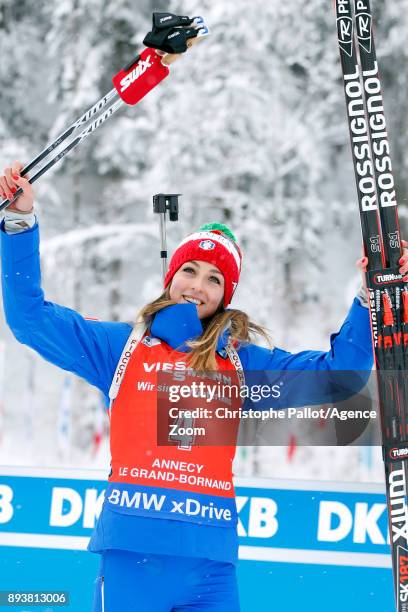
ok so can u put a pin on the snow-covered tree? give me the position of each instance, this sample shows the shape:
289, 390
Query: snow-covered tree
250, 128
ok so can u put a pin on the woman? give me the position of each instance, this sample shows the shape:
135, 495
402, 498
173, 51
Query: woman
167, 531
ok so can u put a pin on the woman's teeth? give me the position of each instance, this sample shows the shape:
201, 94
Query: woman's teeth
192, 300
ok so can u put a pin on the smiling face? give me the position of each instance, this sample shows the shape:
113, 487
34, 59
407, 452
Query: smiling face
200, 283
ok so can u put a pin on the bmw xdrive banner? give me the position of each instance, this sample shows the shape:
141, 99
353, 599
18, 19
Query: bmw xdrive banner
299, 541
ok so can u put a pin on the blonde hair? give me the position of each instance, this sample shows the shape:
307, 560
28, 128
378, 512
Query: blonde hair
203, 349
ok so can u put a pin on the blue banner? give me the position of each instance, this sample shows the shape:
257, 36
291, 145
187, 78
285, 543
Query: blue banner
318, 544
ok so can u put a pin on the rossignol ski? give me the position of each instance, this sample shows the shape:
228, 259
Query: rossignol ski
388, 295
171, 36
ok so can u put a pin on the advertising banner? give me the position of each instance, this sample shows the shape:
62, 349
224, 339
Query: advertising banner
303, 544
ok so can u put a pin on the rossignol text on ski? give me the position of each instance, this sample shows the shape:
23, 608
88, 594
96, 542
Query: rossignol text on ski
388, 297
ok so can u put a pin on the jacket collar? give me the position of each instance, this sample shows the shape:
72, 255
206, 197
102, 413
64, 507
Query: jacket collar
178, 323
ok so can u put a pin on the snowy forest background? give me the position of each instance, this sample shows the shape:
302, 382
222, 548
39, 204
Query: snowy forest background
251, 129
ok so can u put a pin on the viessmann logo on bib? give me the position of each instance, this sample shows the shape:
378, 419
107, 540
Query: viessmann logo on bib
157, 366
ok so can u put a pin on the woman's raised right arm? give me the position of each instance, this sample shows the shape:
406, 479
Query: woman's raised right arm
91, 349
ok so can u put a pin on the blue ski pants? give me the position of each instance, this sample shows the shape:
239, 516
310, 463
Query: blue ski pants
144, 582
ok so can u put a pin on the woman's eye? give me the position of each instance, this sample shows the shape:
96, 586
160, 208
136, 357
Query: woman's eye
216, 279
188, 269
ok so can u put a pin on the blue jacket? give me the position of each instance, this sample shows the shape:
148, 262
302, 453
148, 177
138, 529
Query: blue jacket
91, 349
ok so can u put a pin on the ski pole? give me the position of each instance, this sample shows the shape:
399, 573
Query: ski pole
163, 202
171, 36
73, 143
96, 108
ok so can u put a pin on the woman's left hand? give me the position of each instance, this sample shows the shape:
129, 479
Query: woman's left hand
403, 262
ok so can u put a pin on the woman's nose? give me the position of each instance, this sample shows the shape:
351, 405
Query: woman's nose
197, 284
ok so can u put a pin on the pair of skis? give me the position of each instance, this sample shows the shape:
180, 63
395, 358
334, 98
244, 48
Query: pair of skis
171, 36
388, 295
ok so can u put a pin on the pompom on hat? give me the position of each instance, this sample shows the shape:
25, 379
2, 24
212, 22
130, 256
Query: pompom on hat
214, 243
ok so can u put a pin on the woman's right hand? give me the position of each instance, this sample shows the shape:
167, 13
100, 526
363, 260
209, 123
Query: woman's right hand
10, 182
